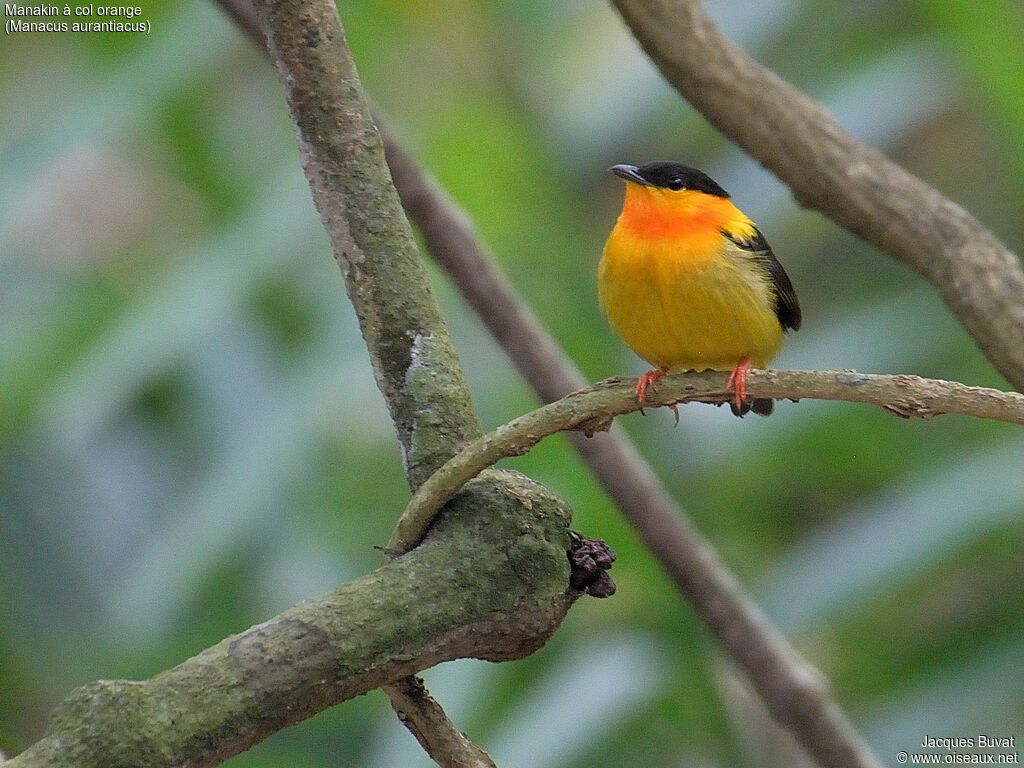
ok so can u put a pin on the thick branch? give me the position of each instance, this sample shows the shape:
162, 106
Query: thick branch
592, 409
980, 280
416, 709
415, 364
413, 704
490, 582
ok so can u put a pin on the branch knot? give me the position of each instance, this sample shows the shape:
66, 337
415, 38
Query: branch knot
590, 561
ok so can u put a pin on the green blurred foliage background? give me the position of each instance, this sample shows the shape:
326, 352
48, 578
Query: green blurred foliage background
191, 440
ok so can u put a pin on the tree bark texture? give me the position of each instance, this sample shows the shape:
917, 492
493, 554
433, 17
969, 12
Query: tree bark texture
489, 582
415, 364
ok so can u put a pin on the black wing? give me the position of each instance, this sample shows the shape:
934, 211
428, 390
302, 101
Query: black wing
787, 308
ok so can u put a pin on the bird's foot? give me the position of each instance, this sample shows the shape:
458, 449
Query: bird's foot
644, 383
737, 382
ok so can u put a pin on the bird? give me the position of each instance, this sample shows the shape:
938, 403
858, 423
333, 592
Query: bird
688, 281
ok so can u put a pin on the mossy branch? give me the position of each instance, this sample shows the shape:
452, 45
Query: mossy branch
491, 584
592, 409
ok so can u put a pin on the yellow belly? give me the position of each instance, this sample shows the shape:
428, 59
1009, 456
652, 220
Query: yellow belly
679, 309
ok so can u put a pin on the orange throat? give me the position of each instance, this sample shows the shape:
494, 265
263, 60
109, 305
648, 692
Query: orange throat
658, 214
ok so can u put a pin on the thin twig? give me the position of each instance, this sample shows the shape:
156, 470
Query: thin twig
978, 277
423, 716
593, 408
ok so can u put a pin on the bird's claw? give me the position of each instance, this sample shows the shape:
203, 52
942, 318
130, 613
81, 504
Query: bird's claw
644, 383
737, 382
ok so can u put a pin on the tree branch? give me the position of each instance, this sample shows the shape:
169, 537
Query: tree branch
414, 362
978, 277
490, 582
415, 707
592, 409
426, 721
792, 690
416, 366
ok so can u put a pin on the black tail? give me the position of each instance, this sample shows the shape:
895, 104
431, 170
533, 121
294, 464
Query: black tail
762, 406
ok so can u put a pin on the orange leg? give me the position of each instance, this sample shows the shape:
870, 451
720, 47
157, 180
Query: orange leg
644, 383
737, 381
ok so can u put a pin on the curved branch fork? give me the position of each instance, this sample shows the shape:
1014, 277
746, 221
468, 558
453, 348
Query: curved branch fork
592, 409
491, 582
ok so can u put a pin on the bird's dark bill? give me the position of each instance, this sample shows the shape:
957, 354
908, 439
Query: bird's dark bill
629, 173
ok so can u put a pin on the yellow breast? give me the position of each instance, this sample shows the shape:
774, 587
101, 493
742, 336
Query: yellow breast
682, 295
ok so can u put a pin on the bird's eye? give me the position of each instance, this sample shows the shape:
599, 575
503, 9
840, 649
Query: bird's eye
675, 183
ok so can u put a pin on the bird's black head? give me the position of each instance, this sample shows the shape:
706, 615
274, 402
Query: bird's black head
673, 176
